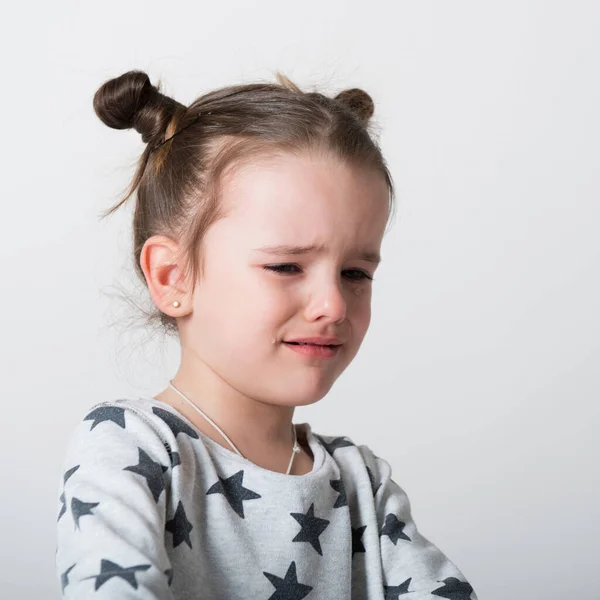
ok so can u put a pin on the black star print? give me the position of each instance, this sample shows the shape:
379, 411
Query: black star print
173, 456
110, 569
80, 509
180, 527
454, 589
312, 528
338, 442
392, 592
357, 545
63, 508
64, 578
338, 486
287, 588
234, 491
372, 480
152, 471
169, 574
176, 425
393, 528
107, 413
70, 472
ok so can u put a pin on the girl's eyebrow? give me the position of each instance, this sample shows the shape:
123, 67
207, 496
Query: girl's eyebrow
283, 249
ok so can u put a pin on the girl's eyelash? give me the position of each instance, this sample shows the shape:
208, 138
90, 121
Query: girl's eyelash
280, 269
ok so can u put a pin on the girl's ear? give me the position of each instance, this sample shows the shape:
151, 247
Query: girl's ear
163, 270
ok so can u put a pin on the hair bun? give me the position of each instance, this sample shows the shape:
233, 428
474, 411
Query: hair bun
131, 101
358, 102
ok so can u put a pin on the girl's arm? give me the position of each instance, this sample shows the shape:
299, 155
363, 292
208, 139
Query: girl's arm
411, 563
111, 510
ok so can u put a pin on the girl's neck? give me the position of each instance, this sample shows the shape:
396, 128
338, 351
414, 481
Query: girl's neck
271, 452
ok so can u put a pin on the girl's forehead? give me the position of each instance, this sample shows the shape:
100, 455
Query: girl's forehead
286, 226
302, 187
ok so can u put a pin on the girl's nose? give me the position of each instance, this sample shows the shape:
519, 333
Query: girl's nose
328, 301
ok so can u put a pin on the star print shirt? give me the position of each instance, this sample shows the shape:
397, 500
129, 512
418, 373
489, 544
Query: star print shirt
151, 508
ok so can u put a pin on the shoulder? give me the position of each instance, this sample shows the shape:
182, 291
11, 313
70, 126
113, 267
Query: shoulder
344, 448
122, 413
138, 423
359, 464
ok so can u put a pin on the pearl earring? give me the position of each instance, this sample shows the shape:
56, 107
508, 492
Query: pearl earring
176, 304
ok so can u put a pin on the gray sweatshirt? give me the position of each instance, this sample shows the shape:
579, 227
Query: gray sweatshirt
152, 508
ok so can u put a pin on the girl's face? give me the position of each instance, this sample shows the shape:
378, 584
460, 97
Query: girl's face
245, 305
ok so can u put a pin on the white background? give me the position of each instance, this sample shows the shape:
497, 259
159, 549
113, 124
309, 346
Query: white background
479, 377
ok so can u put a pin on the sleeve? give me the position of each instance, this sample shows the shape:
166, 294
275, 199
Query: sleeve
410, 562
112, 508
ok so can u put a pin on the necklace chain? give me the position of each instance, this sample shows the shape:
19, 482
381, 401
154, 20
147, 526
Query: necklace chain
296, 449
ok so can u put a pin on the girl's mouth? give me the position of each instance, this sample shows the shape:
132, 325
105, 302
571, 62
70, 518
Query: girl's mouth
314, 350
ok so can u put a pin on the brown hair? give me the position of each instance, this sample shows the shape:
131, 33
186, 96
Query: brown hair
178, 181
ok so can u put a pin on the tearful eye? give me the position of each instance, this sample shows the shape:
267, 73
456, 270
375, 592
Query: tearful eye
282, 269
279, 268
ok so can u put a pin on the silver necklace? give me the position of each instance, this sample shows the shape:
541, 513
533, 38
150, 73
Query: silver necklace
296, 449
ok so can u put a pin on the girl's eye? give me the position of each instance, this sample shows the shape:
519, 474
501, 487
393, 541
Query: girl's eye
282, 269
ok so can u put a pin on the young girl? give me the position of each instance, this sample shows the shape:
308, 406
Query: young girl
258, 226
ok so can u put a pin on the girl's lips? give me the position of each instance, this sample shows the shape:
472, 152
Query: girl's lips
316, 351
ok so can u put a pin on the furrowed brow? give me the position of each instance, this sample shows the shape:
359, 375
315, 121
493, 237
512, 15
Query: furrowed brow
285, 250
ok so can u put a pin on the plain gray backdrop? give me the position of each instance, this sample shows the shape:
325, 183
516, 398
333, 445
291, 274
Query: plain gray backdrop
478, 379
